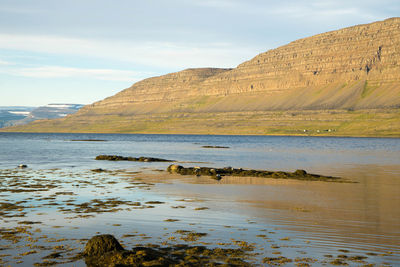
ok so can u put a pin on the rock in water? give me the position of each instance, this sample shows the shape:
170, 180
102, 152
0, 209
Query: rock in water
142, 159
105, 251
218, 173
175, 168
218, 177
101, 244
22, 166
300, 173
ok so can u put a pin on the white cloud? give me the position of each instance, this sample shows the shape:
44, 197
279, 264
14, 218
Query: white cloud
156, 54
309, 9
314, 10
2, 62
66, 72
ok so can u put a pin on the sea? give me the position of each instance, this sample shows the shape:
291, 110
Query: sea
357, 222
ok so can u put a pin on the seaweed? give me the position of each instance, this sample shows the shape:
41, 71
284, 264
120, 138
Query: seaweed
217, 173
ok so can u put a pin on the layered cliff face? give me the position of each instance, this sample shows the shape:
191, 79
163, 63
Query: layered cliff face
365, 52
170, 87
356, 67
344, 82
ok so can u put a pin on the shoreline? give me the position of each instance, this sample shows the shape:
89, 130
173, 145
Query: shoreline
331, 123
214, 134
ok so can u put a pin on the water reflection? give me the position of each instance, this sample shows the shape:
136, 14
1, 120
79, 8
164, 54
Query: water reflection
363, 215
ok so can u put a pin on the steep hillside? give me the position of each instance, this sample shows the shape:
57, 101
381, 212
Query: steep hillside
355, 68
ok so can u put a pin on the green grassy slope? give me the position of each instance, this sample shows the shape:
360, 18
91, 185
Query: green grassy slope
383, 123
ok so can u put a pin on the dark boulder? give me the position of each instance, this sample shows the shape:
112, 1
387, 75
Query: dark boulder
101, 244
174, 168
105, 251
300, 173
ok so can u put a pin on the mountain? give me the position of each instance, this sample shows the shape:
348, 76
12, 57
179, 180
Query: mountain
349, 74
10, 116
53, 111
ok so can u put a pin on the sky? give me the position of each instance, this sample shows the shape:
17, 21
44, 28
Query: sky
82, 51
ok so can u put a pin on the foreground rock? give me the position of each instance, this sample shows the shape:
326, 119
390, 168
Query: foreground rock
121, 158
217, 173
101, 244
105, 250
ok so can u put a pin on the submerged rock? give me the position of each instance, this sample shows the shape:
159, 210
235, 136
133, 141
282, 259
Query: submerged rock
142, 159
177, 168
217, 173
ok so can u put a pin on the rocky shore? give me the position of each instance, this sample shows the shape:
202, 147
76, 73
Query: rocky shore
117, 202
218, 173
105, 250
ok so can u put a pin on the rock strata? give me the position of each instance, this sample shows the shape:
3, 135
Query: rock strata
347, 68
351, 69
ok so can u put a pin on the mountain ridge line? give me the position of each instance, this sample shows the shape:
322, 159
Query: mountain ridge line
351, 69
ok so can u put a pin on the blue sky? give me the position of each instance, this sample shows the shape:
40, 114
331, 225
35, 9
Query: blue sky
83, 51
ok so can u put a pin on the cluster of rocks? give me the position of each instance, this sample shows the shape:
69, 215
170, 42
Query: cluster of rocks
121, 158
105, 250
217, 173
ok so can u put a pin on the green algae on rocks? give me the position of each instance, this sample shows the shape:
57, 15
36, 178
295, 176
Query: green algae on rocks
105, 250
101, 244
217, 173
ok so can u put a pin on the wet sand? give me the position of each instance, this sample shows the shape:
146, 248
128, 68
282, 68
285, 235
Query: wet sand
47, 216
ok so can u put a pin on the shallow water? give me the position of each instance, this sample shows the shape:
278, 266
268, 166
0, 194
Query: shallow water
295, 218
265, 152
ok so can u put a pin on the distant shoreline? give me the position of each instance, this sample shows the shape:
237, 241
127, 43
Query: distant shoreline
329, 123
150, 133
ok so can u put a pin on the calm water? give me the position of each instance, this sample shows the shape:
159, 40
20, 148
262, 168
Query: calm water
320, 218
266, 152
